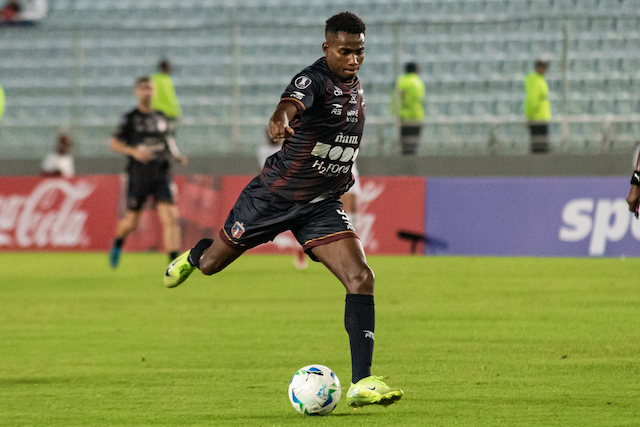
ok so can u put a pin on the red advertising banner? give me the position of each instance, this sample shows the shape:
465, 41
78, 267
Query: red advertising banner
81, 214
58, 214
385, 205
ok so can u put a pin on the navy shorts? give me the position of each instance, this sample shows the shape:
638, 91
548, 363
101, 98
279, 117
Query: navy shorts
260, 215
142, 186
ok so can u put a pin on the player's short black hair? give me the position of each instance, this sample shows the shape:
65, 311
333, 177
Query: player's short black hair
410, 67
143, 79
344, 21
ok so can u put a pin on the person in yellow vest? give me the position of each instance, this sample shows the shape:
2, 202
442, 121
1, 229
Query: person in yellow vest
1, 103
409, 95
165, 98
537, 108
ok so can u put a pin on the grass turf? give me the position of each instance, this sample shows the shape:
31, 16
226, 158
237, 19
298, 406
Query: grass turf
472, 341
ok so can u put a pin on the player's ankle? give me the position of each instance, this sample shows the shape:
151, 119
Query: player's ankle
197, 251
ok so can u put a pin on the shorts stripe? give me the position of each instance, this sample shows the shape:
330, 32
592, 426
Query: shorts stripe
330, 238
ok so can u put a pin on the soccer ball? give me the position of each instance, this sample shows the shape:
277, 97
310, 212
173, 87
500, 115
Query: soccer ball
314, 390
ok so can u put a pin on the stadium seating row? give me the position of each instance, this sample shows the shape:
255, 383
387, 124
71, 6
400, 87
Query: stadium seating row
77, 68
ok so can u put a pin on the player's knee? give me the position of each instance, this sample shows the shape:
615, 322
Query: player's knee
362, 281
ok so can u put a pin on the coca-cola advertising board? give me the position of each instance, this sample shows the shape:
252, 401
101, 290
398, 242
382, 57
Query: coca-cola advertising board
58, 214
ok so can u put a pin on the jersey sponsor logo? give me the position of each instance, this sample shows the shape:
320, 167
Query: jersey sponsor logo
352, 116
335, 153
237, 230
302, 82
347, 139
297, 95
354, 98
337, 91
337, 109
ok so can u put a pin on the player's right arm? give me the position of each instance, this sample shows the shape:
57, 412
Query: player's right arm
279, 122
304, 90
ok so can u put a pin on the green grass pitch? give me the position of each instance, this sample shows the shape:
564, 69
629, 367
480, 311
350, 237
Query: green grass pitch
472, 341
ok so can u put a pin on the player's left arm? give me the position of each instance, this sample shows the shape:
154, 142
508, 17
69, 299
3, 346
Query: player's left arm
173, 149
633, 199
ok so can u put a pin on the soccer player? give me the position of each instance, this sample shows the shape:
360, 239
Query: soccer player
143, 135
321, 116
633, 199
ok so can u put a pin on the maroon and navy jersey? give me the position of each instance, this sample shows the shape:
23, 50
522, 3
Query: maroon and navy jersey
145, 129
316, 161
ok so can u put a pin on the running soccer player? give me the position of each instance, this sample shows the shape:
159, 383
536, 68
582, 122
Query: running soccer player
321, 116
143, 135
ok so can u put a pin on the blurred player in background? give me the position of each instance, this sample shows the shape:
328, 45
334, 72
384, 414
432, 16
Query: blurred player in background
164, 98
537, 107
2, 104
60, 162
10, 12
321, 116
407, 104
143, 135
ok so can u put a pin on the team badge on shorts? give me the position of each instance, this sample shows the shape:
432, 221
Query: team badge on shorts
237, 230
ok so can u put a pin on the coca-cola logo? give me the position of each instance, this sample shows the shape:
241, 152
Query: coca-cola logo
49, 216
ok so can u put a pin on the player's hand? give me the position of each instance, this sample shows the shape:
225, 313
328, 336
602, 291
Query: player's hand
184, 160
143, 154
279, 129
633, 199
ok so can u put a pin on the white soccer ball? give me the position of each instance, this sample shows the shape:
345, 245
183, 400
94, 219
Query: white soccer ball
314, 390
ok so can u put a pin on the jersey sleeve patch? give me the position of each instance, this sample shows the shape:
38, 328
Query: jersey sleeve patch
304, 89
302, 82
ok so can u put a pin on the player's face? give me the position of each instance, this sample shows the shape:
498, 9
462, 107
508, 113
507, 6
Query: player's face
144, 92
345, 53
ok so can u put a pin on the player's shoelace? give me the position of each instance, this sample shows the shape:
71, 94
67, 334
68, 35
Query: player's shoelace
185, 268
378, 381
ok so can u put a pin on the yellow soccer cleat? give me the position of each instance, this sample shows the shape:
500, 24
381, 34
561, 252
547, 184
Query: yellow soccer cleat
178, 271
372, 391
